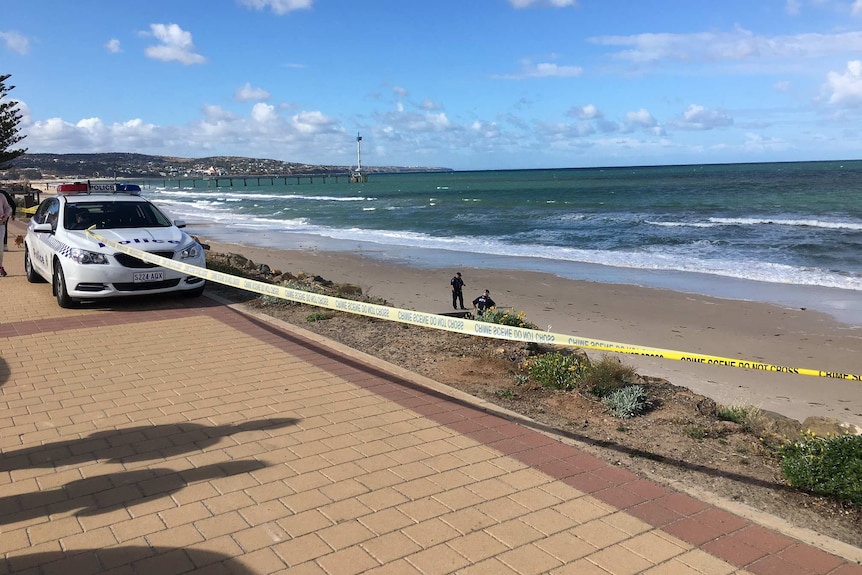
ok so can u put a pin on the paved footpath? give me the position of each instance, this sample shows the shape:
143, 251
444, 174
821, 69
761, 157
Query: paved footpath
175, 436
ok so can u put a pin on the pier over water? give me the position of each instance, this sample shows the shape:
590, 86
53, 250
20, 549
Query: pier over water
234, 181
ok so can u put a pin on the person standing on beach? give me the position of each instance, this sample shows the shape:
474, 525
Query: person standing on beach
457, 291
5, 214
483, 303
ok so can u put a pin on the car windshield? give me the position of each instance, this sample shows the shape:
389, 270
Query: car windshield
112, 215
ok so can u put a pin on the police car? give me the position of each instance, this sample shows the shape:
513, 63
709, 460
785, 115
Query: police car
79, 267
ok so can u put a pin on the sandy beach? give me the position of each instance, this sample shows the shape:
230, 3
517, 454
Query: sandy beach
649, 317
787, 336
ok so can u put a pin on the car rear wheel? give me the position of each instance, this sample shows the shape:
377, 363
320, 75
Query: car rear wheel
60, 291
32, 276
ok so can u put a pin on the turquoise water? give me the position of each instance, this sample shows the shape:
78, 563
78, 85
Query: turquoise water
778, 225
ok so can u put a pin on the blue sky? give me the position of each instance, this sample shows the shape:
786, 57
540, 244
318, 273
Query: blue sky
465, 84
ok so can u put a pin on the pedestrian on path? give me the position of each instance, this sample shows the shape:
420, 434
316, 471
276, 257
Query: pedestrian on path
11, 202
5, 214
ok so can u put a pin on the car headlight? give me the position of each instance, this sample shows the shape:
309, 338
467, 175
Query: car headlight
85, 257
192, 251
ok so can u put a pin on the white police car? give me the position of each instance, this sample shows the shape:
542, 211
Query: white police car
58, 248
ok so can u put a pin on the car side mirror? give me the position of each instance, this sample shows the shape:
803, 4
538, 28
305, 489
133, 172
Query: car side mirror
43, 228
180, 223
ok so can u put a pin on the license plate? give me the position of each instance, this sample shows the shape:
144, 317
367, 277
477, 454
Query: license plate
144, 277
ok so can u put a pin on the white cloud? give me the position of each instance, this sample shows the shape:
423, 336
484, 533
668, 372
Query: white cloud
793, 7
217, 114
415, 123
400, 92
488, 130
547, 69
698, 117
263, 113
740, 44
279, 7
248, 94
113, 46
856, 9
641, 118
846, 88
429, 104
310, 123
175, 45
544, 70
93, 135
520, 4
15, 42
587, 112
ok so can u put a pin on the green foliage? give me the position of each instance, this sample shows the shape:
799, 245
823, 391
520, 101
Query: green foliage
627, 402
557, 370
521, 379
10, 117
607, 376
319, 316
737, 413
830, 466
504, 317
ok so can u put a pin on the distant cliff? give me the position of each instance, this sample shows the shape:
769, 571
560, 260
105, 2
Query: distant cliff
122, 165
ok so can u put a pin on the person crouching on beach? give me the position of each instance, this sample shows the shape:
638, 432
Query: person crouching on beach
457, 291
483, 303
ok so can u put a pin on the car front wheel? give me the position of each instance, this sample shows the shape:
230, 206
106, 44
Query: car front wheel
32, 275
60, 291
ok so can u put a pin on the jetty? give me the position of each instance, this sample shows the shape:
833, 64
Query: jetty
244, 180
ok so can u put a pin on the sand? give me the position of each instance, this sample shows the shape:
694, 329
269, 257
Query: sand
665, 319
750, 331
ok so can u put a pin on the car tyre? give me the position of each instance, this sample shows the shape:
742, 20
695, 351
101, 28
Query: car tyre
32, 275
60, 291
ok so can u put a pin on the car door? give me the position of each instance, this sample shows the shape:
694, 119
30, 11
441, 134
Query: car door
41, 252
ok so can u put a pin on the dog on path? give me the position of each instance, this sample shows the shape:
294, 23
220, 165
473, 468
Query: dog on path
19, 240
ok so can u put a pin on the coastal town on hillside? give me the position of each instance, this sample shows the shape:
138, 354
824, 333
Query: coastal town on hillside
35, 167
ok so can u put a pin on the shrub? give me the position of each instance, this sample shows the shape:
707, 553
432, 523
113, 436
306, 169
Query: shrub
830, 466
627, 402
557, 370
504, 317
736, 413
318, 316
607, 376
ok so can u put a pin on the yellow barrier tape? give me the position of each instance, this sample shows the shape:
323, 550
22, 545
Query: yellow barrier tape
459, 325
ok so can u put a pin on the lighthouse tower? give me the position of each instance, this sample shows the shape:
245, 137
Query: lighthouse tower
357, 177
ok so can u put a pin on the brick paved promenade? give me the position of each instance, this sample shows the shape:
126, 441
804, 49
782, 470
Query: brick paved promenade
182, 436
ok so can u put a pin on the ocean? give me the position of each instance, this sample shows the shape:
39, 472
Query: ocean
784, 233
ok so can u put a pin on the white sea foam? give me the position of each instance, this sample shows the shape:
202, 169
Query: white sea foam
687, 258
837, 225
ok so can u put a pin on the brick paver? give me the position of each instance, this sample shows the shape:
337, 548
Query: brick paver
175, 436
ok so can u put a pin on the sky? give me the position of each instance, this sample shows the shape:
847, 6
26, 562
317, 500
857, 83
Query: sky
462, 84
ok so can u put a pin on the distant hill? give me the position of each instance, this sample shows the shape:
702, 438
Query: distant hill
124, 165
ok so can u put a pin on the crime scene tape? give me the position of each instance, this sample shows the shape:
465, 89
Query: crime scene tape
458, 325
